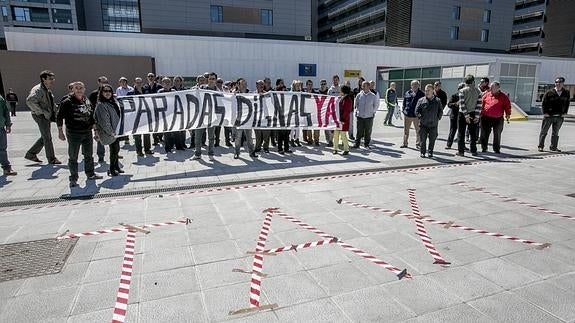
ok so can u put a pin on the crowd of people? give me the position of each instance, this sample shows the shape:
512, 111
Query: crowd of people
474, 111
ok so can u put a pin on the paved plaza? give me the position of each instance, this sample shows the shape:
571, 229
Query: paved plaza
503, 222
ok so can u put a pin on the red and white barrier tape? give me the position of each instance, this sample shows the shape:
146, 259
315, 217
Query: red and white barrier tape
112, 230
398, 272
258, 264
514, 200
125, 279
296, 247
422, 232
451, 224
373, 208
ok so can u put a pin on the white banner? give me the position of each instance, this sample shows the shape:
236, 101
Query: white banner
195, 109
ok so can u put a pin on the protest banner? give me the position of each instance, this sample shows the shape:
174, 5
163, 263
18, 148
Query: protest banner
196, 109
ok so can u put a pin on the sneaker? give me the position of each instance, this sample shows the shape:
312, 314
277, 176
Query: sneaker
281, 152
94, 177
417, 147
345, 153
403, 146
430, 154
55, 161
368, 147
73, 183
447, 147
236, 156
316, 143
267, 151
330, 144
257, 150
149, 152
557, 150
355, 146
289, 151
460, 154
254, 155
9, 172
422, 155
351, 138
33, 158
195, 157
474, 154
540, 149
297, 143
228, 143
140, 154
335, 152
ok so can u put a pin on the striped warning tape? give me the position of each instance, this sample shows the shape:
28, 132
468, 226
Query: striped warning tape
514, 200
422, 232
125, 279
296, 247
451, 224
239, 187
258, 265
398, 272
125, 228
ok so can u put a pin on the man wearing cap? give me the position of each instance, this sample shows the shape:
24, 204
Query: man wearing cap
555, 105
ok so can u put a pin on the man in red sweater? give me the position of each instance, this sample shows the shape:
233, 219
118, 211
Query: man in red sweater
494, 105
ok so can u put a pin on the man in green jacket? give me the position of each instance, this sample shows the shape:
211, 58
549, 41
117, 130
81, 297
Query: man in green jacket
5, 129
41, 103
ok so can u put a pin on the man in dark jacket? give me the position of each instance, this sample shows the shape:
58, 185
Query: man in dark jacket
453, 105
555, 105
428, 110
409, 102
440, 93
93, 98
12, 99
5, 129
147, 147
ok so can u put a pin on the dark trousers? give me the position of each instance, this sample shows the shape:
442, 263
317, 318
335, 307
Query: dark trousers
425, 133
45, 140
364, 127
488, 124
263, 138
100, 150
84, 141
227, 134
201, 133
461, 127
193, 138
114, 151
283, 139
389, 115
138, 143
554, 122
158, 137
13, 108
452, 129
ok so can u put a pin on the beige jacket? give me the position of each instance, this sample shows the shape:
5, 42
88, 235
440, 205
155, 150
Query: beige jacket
41, 102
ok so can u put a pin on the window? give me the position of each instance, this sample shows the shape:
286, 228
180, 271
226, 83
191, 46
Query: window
456, 12
4, 14
217, 13
62, 16
485, 35
486, 16
267, 17
454, 32
61, 2
30, 14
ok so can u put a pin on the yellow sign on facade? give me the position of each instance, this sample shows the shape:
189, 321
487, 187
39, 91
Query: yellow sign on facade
352, 73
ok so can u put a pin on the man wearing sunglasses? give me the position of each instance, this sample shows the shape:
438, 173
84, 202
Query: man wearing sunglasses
555, 104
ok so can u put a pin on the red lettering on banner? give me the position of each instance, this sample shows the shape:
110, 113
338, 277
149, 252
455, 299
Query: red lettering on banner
330, 112
319, 104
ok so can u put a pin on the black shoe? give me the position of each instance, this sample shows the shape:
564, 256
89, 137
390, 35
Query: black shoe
557, 150
267, 151
254, 155
351, 138
119, 171
120, 157
292, 143
73, 183
33, 158
540, 149
55, 161
430, 154
297, 143
483, 150
274, 143
460, 154
236, 156
474, 154
281, 152
112, 173
94, 177
289, 151
101, 160
355, 146
368, 147
345, 153
497, 151
422, 155
148, 152
140, 154
316, 143
257, 150
9, 172
417, 147
330, 144
335, 152
403, 146
447, 147
228, 143
217, 144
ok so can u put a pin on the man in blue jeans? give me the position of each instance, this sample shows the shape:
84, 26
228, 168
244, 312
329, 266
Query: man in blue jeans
5, 128
555, 104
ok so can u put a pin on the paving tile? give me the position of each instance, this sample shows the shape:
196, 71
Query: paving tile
507, 307
464, 283
323, 310
547, 296
461, 313
180, 308
340, 278
52, 305
504, 273
168, 283
292, 289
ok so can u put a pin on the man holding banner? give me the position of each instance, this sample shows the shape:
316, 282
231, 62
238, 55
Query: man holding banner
212, 78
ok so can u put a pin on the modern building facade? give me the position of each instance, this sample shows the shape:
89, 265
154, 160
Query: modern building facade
478, 25
544, 27
253, 59
274, 19
45, 14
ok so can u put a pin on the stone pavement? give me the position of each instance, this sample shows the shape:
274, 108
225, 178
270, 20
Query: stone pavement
184, 273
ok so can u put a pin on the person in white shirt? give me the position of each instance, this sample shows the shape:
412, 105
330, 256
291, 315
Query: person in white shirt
124, 88
366, 104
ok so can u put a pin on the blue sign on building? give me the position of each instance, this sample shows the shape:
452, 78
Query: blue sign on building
307, 69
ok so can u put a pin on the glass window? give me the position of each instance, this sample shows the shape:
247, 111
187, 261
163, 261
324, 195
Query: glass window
21, 14
396, 75
62, 16
487, 16
456, 12
61, 2
485, 35
4, 14
413, 74
217, 13
431, 72
267, 17
454, 32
